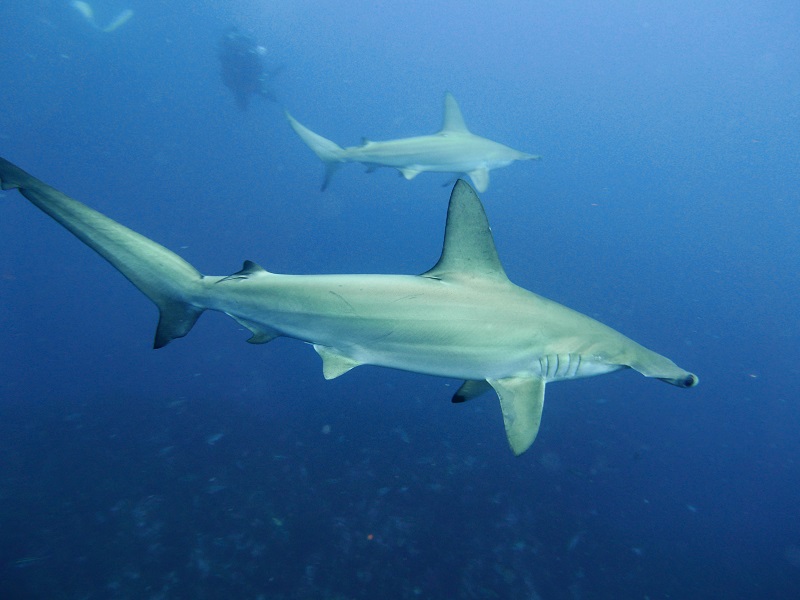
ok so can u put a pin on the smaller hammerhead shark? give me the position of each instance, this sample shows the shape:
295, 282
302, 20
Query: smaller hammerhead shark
453, 149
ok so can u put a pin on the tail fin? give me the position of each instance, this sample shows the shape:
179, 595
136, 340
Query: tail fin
88, 13
163, 276
329, 152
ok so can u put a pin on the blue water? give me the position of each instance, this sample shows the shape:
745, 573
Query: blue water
667, 205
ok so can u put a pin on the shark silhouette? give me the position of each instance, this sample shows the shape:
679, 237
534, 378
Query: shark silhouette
462, 319
453, 149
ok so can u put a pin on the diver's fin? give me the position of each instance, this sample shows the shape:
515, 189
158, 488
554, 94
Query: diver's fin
86, 11
118, 21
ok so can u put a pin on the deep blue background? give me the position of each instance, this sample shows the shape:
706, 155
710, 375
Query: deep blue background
666, 205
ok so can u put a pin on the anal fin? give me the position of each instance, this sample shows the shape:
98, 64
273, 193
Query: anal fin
261, 333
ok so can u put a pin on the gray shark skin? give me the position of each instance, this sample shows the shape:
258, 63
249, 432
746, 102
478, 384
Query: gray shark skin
453, 149
462, 319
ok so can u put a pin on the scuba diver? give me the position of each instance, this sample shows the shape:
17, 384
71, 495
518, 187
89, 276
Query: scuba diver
242, 67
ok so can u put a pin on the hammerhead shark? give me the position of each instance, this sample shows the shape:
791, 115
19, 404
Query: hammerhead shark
461, 319
453, 149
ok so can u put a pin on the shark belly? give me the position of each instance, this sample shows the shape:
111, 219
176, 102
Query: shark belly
450, 153
425, 326
404, 322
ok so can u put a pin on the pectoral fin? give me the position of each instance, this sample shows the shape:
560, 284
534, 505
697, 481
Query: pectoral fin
334, 363
480, 178
410, 173
521, 400
470, 389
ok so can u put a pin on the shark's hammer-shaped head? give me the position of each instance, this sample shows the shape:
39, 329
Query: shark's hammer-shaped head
684, 381
562, 344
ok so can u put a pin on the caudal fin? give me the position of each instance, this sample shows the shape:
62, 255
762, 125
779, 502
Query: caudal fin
170, 282
328, 152
88, 13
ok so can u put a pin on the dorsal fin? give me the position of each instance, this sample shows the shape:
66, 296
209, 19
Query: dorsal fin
468, 245
249, 269
453, 121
